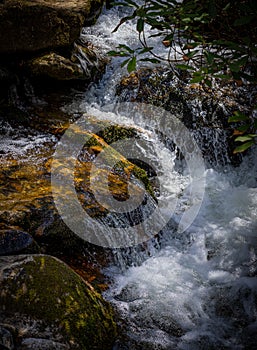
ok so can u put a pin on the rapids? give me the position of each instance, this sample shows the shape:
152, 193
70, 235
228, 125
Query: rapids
199, 291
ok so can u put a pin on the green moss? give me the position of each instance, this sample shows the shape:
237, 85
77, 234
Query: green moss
47, 289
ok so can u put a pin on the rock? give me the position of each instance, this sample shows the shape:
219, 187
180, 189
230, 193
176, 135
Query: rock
26, 193
55, 66
50, 304
35, 25
6, 339
203, 112
14, 241
85, 63
42, 344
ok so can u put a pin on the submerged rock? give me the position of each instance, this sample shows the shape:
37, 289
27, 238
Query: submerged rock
50, 305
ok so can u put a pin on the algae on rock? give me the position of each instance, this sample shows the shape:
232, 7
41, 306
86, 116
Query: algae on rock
43, 288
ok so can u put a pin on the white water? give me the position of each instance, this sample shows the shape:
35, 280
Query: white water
196, 293
23, 143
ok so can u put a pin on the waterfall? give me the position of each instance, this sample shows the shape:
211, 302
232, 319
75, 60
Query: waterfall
199, 290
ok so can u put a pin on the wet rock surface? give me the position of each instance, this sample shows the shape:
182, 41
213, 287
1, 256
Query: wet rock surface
44, 304
205, 112
14, 241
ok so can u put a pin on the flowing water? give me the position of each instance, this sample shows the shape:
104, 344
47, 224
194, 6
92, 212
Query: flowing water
196, 289
200, 290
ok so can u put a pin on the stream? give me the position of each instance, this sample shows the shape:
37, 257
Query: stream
190, 289
199, 291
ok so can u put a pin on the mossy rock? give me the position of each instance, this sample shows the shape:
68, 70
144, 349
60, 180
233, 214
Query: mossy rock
45, 289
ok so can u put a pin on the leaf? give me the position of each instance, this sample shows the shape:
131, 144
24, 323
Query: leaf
132, 64
123, 20
140, 25
127, 48
113, 53
243, 138
184, 67
222, 76
243, 147
191, 46
241, 129
152, 60
196, 79
237, 65
145, 49
237, 117
192, 53
209, 57
208, 82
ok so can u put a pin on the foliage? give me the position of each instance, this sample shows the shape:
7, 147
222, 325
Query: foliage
243, 132
209, 39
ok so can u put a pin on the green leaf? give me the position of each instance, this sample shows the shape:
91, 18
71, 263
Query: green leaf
192, 53
237, 117
222, 76
113, 53
209, 57
208, 82
237, 65
244, 138
140, 25
132, 64
152, 60
196, 79
123, 20
184, 67
145, 49
243, 128
243, 147
125, 47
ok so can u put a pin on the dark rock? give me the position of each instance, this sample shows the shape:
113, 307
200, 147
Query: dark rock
6, 339
203, 112
45, 298
14, 241
42, 344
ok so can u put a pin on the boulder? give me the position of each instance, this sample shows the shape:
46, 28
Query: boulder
55, 66
34, 25
15, 241
26, 193
203, 111
52, 307
84, 63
